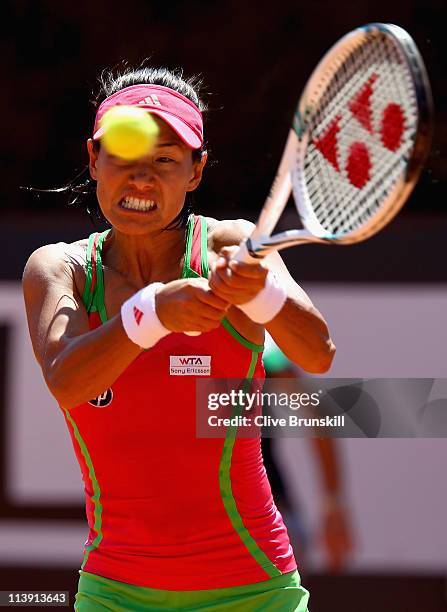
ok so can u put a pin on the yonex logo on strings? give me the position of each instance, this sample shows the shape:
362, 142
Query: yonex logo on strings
138, 314
358, 163
152, 99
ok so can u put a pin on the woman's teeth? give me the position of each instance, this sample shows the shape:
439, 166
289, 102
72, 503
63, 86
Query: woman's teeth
137, 204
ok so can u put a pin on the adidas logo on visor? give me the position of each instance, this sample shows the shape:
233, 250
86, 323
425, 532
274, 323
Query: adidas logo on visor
152, 99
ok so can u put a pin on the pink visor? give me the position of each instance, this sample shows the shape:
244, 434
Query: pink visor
180, 114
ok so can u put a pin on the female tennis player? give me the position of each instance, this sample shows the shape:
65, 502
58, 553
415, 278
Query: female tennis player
176, 521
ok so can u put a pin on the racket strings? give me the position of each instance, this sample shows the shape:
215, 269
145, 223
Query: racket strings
338, 197
388, 171
358, 166
361, 132
356, 207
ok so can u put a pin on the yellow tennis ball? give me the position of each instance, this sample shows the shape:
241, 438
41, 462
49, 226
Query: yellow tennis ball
129, 132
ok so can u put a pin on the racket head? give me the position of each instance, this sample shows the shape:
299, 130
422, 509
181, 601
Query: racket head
363, 128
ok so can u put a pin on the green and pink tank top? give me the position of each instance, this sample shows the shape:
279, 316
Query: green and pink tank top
166, 509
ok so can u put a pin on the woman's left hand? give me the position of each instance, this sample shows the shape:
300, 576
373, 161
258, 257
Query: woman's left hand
235, 281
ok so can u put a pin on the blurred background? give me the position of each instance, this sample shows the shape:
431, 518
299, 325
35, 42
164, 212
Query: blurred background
385, 300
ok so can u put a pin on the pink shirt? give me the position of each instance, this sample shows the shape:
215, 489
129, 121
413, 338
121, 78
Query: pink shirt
166, 509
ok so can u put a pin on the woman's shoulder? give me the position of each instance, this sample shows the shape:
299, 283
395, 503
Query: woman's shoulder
60, 253
60, 261
227, 232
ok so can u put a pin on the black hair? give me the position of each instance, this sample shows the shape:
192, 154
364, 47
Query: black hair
81, 190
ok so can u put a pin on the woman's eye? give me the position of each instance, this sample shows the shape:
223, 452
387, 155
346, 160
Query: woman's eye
119, 161
164, 160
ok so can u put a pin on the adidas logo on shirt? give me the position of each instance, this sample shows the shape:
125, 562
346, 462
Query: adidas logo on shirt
103, 400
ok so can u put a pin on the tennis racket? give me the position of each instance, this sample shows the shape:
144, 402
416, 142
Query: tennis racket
358, 142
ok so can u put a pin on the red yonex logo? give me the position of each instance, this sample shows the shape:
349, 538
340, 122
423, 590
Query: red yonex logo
358, 161
138, 314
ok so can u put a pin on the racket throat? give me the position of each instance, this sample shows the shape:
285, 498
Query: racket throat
260, 247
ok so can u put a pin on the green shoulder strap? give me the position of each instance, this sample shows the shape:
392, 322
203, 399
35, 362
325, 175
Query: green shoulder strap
98, 298
187, 272
87, 296
204, 247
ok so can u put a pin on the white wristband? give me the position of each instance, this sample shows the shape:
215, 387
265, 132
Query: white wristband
267, 303
140, 320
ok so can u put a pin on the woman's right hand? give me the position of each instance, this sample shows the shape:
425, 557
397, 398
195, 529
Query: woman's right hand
189, 305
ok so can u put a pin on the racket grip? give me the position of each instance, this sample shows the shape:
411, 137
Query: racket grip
242, 254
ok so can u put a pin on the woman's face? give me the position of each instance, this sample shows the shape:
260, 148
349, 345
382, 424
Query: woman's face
146, 194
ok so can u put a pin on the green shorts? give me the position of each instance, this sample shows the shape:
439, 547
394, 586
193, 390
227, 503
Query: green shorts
280, 594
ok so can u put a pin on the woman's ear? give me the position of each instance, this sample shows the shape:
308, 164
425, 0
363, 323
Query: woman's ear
196, 177
93, 157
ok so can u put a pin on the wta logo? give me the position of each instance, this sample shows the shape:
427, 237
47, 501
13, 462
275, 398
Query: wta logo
103, 400
190, 365
190, 360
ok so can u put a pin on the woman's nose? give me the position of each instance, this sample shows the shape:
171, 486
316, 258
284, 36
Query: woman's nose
142, 177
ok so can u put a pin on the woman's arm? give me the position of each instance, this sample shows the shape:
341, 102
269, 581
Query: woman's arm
78, 364
299, 329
